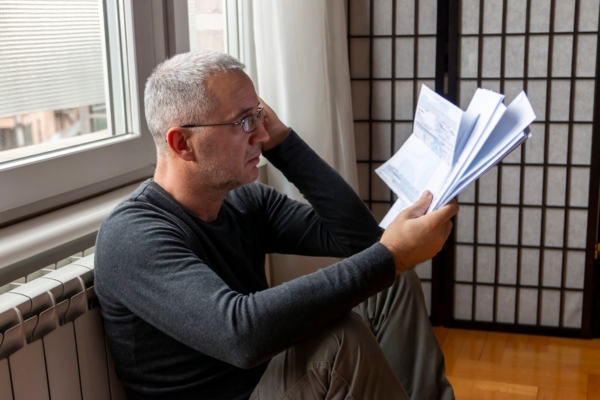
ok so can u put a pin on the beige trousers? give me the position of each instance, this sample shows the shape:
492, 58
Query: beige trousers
384, 349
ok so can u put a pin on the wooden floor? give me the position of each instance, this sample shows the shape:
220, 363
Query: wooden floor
490, 365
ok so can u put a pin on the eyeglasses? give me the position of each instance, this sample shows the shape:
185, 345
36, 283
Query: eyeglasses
248, 123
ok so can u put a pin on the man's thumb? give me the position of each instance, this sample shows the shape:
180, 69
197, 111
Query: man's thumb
420, 207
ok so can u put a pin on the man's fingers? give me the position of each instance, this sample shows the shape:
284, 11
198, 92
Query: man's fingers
447, 229
420, 207
442, 215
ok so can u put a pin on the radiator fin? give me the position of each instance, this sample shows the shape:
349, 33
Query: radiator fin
59, 350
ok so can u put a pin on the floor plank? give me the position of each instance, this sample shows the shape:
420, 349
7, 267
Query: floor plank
440, 333
526, 370
539, 344
516, 341
560, 394
593, 388
452, 346
465, 388
492, 365
493, 351
473, 346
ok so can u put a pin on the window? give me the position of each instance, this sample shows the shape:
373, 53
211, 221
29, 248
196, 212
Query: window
221, 25
71, 117
51, 75
207, 25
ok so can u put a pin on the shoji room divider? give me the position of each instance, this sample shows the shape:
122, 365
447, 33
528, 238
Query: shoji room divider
523, 255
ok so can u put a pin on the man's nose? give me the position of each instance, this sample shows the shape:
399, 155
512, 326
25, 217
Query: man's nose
260, 134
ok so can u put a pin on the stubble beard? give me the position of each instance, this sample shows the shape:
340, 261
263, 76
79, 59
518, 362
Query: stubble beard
226, 180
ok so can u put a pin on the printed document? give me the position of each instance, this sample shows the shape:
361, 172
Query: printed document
450, 148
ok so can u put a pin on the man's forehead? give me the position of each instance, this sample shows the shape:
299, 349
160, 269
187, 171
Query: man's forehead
235, 93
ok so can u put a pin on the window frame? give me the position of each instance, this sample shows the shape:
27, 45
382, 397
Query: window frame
46, 182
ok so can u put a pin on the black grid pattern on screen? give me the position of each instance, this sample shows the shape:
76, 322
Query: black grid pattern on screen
385, 87
505, 190
474, 74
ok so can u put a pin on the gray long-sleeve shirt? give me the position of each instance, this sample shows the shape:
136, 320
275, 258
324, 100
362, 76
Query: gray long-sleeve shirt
186, 306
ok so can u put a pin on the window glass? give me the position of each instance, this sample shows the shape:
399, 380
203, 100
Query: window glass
207, 25
55, 77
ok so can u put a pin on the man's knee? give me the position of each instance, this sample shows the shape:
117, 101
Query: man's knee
407, 287
356, 330
348, 334
409, 278
344, 358
359, 362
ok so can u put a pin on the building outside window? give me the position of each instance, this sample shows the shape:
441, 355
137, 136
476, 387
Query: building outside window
51, 75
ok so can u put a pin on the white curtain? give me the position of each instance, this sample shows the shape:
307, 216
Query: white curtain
296, 53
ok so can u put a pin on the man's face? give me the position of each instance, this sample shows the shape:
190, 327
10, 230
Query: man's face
227, 156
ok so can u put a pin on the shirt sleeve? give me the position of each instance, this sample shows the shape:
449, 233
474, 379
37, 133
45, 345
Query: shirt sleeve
336, 221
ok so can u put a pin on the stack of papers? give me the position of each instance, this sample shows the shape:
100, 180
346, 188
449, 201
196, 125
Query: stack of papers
450, 148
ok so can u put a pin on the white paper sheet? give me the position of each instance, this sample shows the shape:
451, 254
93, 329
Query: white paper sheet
449, 148
506, 136
437, 124
489, 106
426, 157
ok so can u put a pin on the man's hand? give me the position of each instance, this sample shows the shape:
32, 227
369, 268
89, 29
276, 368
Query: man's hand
414, 237
277, 130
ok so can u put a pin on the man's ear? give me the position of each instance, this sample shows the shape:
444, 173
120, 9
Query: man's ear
178, 143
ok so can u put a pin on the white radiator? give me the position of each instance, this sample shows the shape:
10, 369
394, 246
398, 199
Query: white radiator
52, 343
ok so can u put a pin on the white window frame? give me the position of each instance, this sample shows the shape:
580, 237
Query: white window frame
156, 30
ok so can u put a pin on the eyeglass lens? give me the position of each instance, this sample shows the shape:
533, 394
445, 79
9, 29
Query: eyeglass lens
249, 123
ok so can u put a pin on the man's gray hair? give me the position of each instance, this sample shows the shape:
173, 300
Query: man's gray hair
177, 94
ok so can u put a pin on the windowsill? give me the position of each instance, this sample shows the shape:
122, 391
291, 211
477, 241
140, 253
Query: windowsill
28, 151
25, 247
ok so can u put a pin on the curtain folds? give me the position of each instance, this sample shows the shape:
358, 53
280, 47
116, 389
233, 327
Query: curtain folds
297, 55
296, 52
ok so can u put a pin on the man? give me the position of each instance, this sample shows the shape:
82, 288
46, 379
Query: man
180, 262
